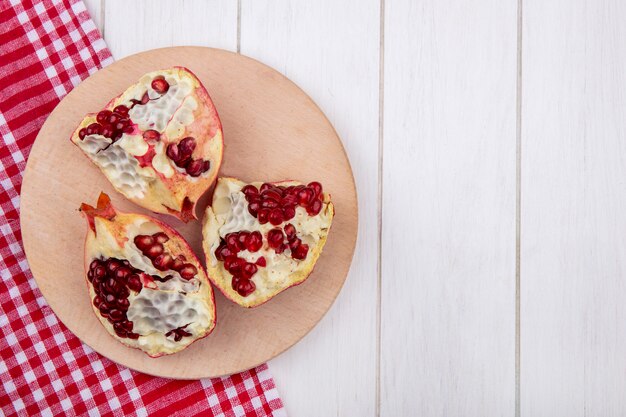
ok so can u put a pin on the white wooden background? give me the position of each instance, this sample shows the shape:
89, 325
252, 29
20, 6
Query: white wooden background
488, 141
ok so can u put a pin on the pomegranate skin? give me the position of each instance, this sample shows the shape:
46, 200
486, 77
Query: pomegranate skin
229, 278
111, 246
131, 140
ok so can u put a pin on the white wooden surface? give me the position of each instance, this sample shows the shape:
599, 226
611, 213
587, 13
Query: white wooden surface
439, 117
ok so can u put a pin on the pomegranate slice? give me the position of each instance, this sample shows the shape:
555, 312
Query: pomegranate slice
260, 239
147, 287
159, 142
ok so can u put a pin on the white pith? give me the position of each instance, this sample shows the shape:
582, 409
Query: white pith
154, 311
161, 185
229, 213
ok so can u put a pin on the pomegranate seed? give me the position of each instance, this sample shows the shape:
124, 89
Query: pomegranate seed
316, 187
104, 309
99, 271
114, 118
254, 241
97, 300
300, 252
143, 242
134, 283
132, 336
116, 315
112, 285
263, 215
90, 276
289, 200
123, 292
233, 264
290, 231
123, 303
172, 152
314, 208
122, 272
232, 242
275, 238
281, 249
305, 196
103, 116
160, 237
129, 128
110, 299
95, 129
253, 208
261, 261
269, 204
120, 332
82, 133
194, 168
206, 166
189, 271
121, 124
183, 161
107, 130
186, 146
94, 264
121, 110
151, 135
112, 265
266, 186
270, 194
160, 85
245, 287
127, 325
248, 270
294, 244
276, 216
222, 252
249, 191
163, 262
178, 263
289, 212
154, 251
241, 240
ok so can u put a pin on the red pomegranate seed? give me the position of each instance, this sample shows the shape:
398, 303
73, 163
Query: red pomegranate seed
129, 129
113, 119
107, 130
154, 251
189, 271
143, 242
95, 129
163, 262
290, 231
289, 213
127, 325
245, 287
122, 272
233, 264
275, 238
263, 215
289, 200
123, 303
123, 292
254, 241
248, 270
266, 186
160, 85
316, 187
97, 300
178, 263
121, 110
112, 265
109, 299
232, 242
151, 135
82, 133
261, 261
253, 208
160, 237
281, 249
270, 194
99, 272
222, 252
103, 116
314, 208
194, 168
172, 152
241, 239
300, 252
276, 216
305, 196
294, 244
116, 315
132, 336
249, 191
134, 283
186, 146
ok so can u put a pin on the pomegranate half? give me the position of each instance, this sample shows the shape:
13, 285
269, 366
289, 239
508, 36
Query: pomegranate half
147, 287
159, 143
261, 238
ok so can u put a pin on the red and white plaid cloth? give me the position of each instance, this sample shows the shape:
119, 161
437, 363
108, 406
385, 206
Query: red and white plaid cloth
46, 49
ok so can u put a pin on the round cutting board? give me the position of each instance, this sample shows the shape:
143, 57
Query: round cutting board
272, 131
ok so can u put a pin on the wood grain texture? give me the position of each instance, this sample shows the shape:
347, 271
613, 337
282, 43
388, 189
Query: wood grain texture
573, 205
270, 145
139, 25
448, 226
330, 49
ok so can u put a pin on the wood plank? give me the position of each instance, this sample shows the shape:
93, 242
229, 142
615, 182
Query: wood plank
448, 235
573, 205
134, 26
330, 49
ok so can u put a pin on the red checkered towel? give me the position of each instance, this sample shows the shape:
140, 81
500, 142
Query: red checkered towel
46, 49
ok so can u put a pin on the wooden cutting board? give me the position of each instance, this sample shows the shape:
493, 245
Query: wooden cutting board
272, 131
